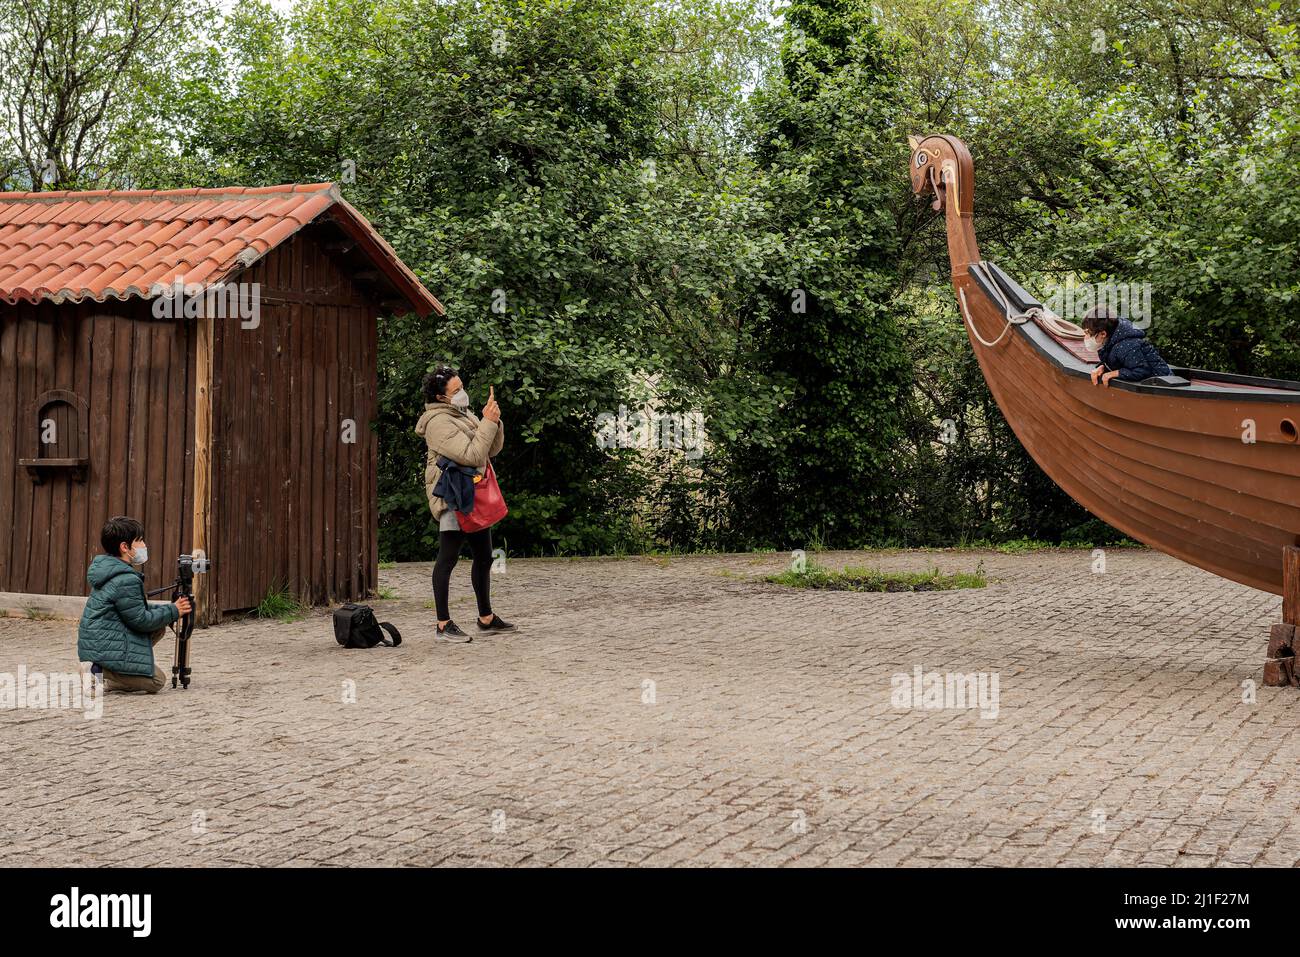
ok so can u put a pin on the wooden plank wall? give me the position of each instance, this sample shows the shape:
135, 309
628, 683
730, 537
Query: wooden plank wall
296, 506
134, 373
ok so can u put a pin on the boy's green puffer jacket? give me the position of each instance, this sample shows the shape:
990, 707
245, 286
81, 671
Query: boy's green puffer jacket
118, 620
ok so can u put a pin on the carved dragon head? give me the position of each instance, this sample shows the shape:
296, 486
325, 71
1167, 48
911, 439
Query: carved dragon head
941, 166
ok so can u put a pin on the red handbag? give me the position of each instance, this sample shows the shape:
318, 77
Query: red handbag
489, 504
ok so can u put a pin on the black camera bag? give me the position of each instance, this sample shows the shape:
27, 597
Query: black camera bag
355, 627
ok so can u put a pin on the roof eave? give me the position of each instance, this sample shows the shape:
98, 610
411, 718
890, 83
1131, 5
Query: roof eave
423, 303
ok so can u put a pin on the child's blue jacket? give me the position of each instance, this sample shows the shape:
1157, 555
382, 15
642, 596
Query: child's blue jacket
118, 620
1128, 351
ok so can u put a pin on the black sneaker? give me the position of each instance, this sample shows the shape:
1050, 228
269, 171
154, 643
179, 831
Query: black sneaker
453, 633
496, 624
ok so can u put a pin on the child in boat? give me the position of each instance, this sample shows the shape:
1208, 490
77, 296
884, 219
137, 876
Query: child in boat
1122, 348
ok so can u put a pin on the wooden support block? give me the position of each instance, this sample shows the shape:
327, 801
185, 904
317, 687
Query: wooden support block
1279, 672
1279, 668
1281, 638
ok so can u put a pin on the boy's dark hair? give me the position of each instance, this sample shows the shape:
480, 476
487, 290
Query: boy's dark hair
435, 382
117, 530
1100, 319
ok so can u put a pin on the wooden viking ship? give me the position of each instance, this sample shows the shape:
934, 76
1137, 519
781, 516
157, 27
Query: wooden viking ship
1206, 470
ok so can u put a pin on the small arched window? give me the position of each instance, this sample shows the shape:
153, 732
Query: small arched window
58, 435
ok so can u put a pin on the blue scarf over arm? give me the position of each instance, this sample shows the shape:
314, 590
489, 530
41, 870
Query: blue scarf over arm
455, 485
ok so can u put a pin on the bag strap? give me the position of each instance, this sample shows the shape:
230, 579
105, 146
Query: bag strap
389, 627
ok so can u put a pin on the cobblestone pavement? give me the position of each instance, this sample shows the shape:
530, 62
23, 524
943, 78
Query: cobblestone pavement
769, 735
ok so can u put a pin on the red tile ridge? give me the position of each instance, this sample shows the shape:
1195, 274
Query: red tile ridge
136, 195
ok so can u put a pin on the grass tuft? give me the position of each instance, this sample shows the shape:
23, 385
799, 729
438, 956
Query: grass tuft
280, 604
871, 580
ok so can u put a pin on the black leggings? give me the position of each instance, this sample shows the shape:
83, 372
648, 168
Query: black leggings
480, 546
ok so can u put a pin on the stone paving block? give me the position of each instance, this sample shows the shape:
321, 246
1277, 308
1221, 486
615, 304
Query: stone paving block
681, 712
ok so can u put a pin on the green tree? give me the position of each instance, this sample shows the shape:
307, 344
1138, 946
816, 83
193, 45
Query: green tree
826, 137
547, 168
79, 102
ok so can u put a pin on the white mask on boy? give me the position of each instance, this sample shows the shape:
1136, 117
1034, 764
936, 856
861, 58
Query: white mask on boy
140, 555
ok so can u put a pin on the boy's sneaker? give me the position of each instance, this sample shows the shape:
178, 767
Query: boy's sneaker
496, 624
453, 633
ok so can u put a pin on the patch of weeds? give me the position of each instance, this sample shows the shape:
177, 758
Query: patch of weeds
388, 565
1021, 546
280, 604
384, 593
36, 614
871, 580
817, 541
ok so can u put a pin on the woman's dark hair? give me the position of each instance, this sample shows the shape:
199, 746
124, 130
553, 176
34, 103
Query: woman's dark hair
1100, 319
118, 530
435, 382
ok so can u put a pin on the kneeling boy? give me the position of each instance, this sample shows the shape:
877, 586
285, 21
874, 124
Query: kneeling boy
119, 627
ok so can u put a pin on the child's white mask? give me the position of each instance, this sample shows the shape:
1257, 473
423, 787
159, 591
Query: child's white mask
1090, 343
140, 555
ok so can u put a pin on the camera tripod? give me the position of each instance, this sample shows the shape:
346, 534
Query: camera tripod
187, 566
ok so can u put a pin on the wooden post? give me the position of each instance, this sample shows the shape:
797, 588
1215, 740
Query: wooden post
204, 594
1291, 585
1279, 666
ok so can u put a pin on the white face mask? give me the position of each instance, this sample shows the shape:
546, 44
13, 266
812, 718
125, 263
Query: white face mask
461, 399
1090, 343
140, 555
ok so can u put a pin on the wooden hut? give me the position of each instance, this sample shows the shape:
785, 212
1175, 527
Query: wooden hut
203, 360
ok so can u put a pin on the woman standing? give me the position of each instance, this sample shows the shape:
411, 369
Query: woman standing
450, 429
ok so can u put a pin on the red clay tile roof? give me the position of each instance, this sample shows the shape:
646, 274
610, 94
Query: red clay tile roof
66, 247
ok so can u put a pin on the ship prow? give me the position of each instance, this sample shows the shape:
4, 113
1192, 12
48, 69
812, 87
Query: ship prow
1202, 465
